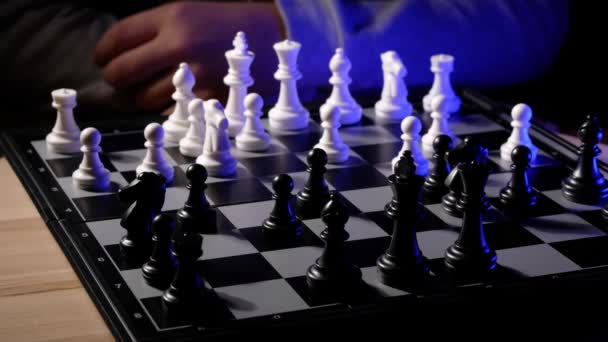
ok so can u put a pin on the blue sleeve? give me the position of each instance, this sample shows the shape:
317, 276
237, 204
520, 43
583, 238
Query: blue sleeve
495, 43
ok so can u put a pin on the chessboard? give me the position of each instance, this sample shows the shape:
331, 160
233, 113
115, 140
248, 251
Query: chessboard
261, 284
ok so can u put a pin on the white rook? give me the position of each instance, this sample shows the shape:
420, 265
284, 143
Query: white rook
238, 79
65, 136
442, 66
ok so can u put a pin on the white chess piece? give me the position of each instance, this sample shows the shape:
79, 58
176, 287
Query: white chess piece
442, 66
331, 142
238, 79
521, 114
350, 110
288, 113
216, 157
177, 124
155, 161
440, 115
65, 136
91, 174
411, 127
192, 144
253, 137
393, 105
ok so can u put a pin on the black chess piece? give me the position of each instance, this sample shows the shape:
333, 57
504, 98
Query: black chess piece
518, 197
282, 219
434, 185
146, 194
332, 275
315, 194
403, 264
586, 184
197, 215
159, 269
186, 289
470, 255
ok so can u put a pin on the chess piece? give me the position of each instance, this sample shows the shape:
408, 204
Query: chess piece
434, 185
252, 136
238, 79
176, 126
518, 196
470, 255
330, 141
439, 126
288, 113
159, 269
586, 184
315, 194
65, 136
216, 157
442, 66
186, 289
411, 127
332, 275
145, 196
197, 215
192, 144
282, 219
521, 114
155, 161
350, 110
393, 105
403, 263
91, 174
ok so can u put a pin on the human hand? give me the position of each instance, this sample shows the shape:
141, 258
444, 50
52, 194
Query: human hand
140, 53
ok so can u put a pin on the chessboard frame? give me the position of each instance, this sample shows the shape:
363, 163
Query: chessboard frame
63, 224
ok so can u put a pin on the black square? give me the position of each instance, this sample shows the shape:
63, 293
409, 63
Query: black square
274, 165
595, 218
264, 242
427, 221
548, 177
302, 142
505, 235
362, 295
490, 140
64, 167
103, 207
212, 311
378, 153
235, 270
237, 191
394, 129
544, 206
588, 252
123, 142
365, 253
179, 158
358, 177
124, 262
179, 177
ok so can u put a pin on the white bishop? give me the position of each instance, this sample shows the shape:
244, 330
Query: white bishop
177, 124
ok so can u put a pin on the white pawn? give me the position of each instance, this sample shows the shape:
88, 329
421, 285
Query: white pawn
350, 110
155, 161
521, 114
192, 144
65, 136
330, 142
177, 124
439, 126
253, 137
393, 105
411, 128
216, 157
442, 66
288, 113
238, 79
91, 174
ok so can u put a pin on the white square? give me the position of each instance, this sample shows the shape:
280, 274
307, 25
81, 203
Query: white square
558, 197
117, 181
107, 232
225, 244
358, 228
138, 285
433, 243
470, 124
248, 214
535, 260
369, 199
366, 135
129, 160
293, 262
496, 181
241, 172
561, 227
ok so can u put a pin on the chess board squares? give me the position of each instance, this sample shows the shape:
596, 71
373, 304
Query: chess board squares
369, 199
427, 221
558, 197
535, 260
501, 165
357, 177
122, 141
235, 270
273, 165
587, 252
378, 153
562, 227
353, 160
492, 215
64, 167
365, 120
299, 181
473, 124
117, 181
264, 242
100, 207
545, 178
179, 177
544, 206
241, 172
128, 160
358, 227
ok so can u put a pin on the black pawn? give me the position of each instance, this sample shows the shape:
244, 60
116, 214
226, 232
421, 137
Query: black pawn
197, 215
403, 264
159, 269
282, 219
434, 185
470, 255
186, 289
586, 184
315, 194
146, 196
332, 275
518, 196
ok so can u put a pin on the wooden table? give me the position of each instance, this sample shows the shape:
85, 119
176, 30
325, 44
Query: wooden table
41, 297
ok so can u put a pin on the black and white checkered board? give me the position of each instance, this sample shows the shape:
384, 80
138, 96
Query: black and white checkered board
262, 283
